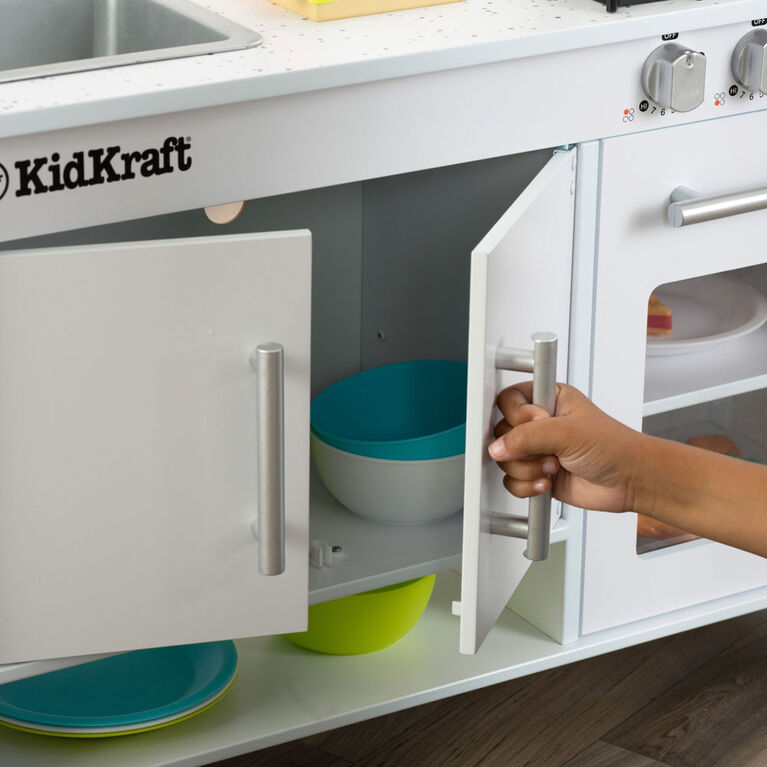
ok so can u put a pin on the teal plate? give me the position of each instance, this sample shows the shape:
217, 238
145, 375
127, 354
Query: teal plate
133, 688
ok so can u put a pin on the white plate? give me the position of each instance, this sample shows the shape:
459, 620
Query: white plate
707, 311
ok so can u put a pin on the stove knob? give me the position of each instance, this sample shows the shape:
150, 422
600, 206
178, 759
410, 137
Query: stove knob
749, 61
674, 76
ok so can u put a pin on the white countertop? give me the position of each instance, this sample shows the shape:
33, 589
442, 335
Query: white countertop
300, 55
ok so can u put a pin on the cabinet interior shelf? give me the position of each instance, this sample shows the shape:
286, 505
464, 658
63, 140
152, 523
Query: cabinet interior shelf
283, 692
724, 370
375, 554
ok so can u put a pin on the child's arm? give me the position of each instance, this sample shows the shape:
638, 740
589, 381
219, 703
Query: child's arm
598, 463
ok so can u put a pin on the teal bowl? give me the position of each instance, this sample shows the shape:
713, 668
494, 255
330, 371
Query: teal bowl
409, 411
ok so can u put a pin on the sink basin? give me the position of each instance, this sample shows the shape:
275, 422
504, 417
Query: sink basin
50, 37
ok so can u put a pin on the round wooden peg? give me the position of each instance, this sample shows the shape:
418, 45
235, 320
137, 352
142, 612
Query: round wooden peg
226, 213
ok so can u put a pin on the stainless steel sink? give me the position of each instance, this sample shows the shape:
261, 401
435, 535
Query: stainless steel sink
51, 37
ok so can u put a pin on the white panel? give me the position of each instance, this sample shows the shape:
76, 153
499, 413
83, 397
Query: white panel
520, 284
128, 449
638, 250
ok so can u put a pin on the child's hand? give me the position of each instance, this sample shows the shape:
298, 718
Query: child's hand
598, 463
586, 454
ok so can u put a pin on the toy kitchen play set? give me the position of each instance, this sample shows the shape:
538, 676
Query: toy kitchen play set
228, 228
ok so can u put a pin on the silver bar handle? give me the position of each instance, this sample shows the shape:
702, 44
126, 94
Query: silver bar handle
542, 362
688, 207
267, 360
520, 360
545, 396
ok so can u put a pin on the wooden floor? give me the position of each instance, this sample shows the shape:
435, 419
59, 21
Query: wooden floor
697, 699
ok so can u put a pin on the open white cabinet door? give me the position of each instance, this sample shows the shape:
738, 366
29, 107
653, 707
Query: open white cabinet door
520, 285
132, 429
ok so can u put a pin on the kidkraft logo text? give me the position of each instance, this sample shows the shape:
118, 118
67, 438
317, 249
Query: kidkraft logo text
106, 165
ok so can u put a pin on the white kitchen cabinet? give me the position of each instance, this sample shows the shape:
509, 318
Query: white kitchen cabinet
152, 284
390, 255
535, 269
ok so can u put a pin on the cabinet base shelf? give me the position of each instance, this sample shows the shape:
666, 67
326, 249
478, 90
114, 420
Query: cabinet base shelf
284, 693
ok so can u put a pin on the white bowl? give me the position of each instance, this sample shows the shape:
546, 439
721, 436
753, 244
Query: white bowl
395, 492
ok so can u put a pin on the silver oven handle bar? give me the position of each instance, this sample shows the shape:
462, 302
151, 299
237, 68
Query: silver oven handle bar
542, 363
688, 207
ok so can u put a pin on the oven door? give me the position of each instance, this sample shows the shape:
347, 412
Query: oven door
704, 254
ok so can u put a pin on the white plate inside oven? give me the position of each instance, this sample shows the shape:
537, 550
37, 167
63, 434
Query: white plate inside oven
707, 311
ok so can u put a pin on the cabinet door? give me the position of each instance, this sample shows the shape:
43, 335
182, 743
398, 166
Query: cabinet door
639, 250
129, 443
520, 285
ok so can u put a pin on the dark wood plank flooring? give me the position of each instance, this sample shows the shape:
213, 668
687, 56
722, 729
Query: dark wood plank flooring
697, 699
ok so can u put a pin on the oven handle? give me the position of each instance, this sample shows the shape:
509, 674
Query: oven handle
688, 207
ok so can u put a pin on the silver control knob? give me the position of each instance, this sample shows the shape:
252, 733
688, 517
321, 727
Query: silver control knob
749, 61
674, 77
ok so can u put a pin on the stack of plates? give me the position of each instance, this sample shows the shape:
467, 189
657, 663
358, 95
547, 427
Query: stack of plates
128, 693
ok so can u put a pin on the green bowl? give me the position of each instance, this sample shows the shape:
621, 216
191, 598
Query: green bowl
365, 622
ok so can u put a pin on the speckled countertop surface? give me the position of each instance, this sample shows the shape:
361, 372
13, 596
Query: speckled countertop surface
299, 55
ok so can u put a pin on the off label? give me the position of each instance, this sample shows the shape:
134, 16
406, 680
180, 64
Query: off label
3, 181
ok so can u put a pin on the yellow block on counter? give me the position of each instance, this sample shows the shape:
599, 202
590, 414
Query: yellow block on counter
325, 10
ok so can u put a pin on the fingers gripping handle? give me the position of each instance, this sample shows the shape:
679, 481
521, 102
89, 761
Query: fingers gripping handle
542, 363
